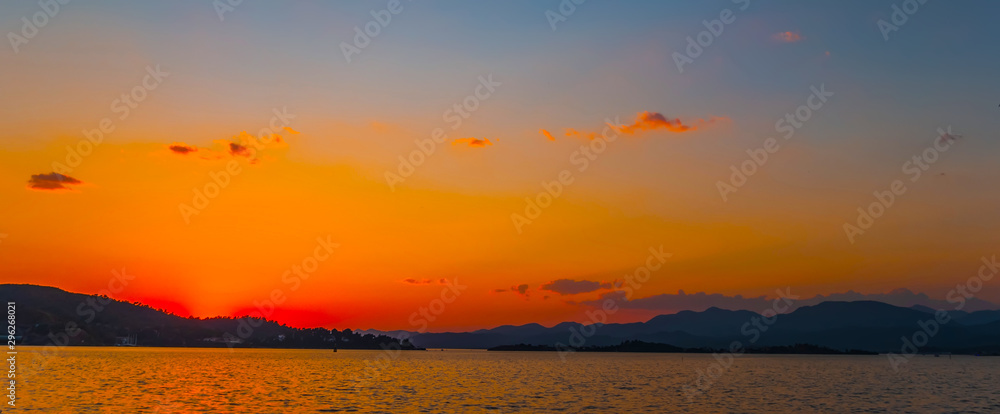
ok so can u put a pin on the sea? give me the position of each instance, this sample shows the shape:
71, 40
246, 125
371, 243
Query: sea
199, 380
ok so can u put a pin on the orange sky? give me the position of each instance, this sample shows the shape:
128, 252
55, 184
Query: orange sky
507, 113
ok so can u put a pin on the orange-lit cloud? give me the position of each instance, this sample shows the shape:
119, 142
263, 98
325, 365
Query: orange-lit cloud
648, 121
547, 134
573, 287
238, 149
520, 289
182, 148
242, 145
472, 142
291, 131
787, 37
412, 281
51, 182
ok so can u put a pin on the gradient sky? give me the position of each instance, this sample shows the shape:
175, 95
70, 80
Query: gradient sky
452, 217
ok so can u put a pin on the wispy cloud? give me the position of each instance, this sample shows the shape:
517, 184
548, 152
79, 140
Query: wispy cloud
182, 148
472, 142
573, 287
547, 134
52, 182
644, 122
520, 289
786, 37
412, 281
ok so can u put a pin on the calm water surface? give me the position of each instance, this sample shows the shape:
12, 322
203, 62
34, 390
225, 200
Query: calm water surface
169, 380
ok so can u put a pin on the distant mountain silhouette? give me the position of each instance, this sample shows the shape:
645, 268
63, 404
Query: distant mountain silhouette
861, 325
52, 316
870, 326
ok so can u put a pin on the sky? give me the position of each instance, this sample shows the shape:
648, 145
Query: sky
489, 163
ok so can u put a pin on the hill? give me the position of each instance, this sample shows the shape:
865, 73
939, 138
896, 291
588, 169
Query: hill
51, 316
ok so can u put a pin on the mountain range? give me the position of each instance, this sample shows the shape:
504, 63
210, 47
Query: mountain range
45, 314
860, 325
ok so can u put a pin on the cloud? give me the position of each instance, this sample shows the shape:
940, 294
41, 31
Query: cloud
547, 134
573, 287
238, 149
786, 37
182, 148
412, 281
472, 142
52, 181
647, 121
244, 145
521, 289
650, 121
291, 131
